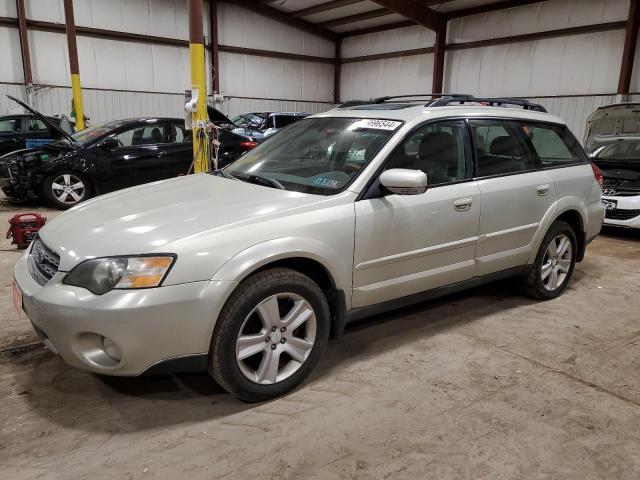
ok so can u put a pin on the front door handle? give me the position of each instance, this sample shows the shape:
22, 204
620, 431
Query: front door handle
463, 204
543, 189
161, 153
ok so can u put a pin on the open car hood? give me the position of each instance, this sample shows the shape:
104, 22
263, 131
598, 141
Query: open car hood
217, 117
52, 126
611, 123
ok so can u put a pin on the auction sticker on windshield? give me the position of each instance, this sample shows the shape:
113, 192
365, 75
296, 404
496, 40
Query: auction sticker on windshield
376, 124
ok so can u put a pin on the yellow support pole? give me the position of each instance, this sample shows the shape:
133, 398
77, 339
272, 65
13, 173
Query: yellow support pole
76, 89
198, 87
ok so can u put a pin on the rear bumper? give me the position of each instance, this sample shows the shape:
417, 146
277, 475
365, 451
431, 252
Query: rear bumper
148, 327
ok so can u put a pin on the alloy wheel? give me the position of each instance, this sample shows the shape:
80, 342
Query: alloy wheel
556, 262
68, 189
276, 338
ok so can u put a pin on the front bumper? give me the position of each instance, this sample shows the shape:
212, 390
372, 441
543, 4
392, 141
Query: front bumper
147, 326
625, 213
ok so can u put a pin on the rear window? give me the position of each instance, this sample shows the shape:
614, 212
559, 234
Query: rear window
10, 125
553, 144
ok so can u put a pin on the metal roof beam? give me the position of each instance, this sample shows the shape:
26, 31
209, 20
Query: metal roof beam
416, 10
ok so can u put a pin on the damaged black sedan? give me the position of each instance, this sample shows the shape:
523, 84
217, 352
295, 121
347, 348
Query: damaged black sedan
105, 157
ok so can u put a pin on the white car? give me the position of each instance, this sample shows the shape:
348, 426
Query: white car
247, 271
620, 166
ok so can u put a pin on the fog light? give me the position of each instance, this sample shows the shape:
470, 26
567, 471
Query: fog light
111, 349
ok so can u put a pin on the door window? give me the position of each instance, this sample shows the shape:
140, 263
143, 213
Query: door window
441, 150
282, 121
10, 125
37, 125
141, 135
553, 144
178, 134
501, 148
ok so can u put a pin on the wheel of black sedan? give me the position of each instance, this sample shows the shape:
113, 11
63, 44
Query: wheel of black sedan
270, 335
66, 189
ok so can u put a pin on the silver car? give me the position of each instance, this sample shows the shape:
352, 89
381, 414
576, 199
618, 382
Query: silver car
248, 271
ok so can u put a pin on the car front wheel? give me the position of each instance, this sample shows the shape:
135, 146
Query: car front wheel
270, 334
554, 264
66, 189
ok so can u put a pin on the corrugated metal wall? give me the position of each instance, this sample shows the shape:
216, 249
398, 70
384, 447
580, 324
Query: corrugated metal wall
124, 78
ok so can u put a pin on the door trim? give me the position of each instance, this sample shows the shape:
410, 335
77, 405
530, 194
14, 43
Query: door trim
416, 253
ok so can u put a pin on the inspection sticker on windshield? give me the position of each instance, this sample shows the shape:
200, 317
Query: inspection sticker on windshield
327, 182
376, 124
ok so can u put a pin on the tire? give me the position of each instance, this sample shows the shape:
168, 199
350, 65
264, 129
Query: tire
66, 189
541, 285
291, 354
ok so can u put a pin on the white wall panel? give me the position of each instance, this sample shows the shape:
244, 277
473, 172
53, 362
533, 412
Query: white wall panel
388, 41
49, 58
578, 64
234, 106
8, 8
550, 15
243, 28
10, 55
251, 76
163, 18
575, 110
394, 76
8, 106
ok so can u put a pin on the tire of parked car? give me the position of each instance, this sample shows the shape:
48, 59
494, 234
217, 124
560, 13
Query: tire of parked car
66, 189
553, 267
270, 334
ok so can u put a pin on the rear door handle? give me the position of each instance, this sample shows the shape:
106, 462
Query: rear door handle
463, 204
543, 189
161, 153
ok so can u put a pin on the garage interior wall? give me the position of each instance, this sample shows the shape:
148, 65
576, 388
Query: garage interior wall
570, 75
123, 78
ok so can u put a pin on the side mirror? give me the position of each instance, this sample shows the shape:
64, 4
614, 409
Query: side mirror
109, 143
402, 181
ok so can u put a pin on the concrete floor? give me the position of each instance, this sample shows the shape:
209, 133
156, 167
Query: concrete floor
485, 385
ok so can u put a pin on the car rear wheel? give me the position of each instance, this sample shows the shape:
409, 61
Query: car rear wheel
270, 335
551, 272
66, 189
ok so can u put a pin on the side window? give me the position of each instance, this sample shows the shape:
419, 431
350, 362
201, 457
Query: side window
441, 150
285, 120
36, 125
177, 133
141, 135
10, 125
501, 148
554, 145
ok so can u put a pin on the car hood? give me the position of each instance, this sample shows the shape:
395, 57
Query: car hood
613, 115
152, 218
53, 128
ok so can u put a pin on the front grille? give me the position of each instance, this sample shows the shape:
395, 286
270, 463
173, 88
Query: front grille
43, 262
618, 214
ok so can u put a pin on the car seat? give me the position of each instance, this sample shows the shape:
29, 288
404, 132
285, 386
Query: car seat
438, 157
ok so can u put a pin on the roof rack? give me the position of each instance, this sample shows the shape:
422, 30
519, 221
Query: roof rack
444, 99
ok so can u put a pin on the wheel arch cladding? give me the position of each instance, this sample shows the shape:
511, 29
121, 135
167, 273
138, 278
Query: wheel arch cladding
319, 273
573, 218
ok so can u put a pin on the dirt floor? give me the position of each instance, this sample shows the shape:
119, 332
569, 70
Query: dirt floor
485, 384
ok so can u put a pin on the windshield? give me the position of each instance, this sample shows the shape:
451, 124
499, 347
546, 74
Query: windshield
254, 120
95, 131
621, 150
317, 155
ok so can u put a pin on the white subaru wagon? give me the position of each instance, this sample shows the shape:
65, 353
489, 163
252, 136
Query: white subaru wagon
247, 271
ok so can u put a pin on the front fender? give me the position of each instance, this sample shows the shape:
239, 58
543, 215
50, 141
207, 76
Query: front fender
257, 256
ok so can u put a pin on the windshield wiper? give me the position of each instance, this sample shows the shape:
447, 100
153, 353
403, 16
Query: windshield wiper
224, 174
269, 182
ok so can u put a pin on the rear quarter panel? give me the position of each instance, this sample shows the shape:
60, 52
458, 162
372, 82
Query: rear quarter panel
576, 189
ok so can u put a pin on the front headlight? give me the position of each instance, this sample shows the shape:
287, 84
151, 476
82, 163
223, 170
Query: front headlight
101, 275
